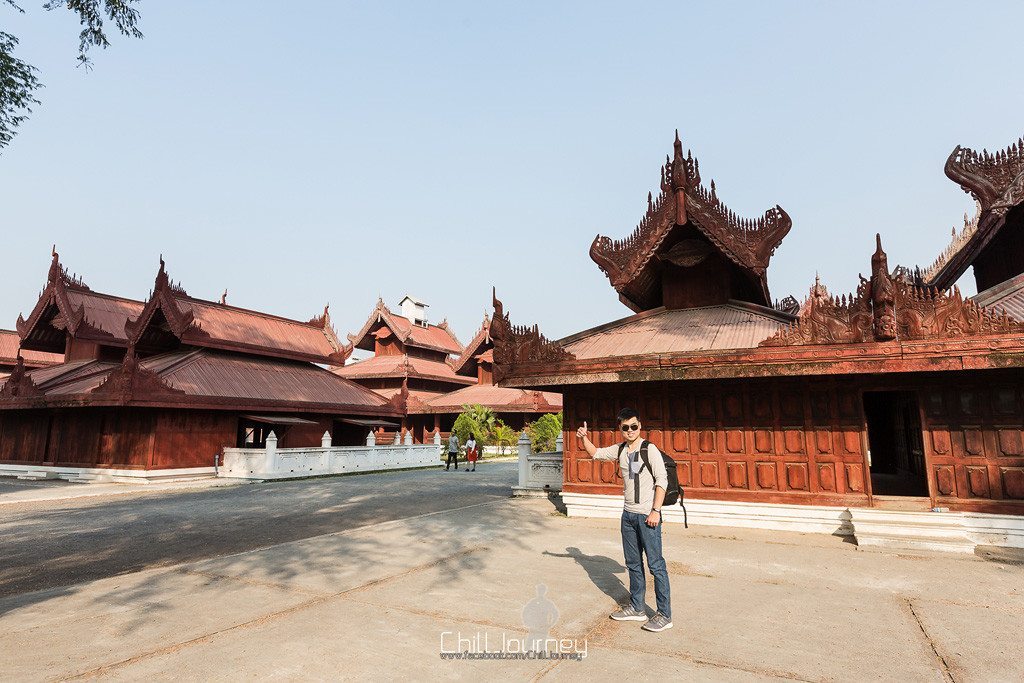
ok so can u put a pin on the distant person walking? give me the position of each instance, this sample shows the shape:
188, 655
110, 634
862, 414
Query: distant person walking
453, 451
471, 454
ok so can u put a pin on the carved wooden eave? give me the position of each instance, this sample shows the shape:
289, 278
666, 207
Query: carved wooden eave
19, 384
163, 299
400, 401
475, 347
130, 381
996, 182
517, 345
341, 351
749, 243
887, 308
381, 314
66, 317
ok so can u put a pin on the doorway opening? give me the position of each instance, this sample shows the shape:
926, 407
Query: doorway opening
895, 444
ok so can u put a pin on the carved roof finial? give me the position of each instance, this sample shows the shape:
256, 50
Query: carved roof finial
224, 296
879, 260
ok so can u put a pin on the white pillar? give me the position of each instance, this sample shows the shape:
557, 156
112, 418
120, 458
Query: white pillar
558, 443
271, 461
325, 440
398, 437
524, 465
408, 437
371, 439
437, 438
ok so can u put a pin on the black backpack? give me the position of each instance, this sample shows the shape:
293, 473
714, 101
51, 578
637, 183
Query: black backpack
674, 492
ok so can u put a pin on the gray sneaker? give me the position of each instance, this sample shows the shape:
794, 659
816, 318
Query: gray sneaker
659, 622
627, 613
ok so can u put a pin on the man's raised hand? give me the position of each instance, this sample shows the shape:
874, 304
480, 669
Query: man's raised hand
582, 431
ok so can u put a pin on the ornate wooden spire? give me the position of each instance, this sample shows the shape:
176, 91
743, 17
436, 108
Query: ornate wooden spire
682, 200
995, 180
518, 344
887, 308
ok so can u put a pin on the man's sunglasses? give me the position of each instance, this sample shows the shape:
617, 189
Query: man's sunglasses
630, 428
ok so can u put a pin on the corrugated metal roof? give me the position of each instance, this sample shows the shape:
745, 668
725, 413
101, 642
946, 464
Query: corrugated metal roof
252, 328
1006, 297
106, 312
9, 343
210, 373
728, 326
401, 366
500, 399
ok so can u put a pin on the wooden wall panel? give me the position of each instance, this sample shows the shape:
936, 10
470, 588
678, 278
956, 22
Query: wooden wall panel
804, 442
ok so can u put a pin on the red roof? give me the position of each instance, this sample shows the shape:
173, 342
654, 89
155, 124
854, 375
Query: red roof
9, 343
67, 306
219, 325
401, 367
499, 399
433, 337
204, 378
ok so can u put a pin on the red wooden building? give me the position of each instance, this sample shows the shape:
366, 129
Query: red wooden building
514, 407
167, 383
425, 369
901, 395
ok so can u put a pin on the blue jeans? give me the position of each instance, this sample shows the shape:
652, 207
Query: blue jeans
638, 538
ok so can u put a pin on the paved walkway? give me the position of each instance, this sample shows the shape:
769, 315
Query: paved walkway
384, 600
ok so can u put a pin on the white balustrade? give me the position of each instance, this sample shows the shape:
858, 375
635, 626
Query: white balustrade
538, 472
282, 463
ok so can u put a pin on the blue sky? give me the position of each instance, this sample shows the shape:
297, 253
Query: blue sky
333, 151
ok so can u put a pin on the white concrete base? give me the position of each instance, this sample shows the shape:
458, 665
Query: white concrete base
88, 475
946, 531
805, 518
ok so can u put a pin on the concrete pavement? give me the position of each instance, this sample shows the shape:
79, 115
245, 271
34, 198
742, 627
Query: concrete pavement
385, 599
118, 528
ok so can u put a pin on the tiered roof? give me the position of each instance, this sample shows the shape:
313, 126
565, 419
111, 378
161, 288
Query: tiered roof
632, 264
197, 354
195, 379
438, 337
67, 306
891, 324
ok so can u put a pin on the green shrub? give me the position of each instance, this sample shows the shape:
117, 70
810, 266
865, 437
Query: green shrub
543, 432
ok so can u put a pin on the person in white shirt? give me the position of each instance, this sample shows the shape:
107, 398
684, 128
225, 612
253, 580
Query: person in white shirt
643, 487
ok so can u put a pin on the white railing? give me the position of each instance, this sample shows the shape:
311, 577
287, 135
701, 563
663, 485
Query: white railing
538, 472
283, 463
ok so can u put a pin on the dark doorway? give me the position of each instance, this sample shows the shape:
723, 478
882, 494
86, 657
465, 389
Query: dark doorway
895, 446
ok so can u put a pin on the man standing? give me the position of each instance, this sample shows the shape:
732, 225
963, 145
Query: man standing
453, 451
643, 486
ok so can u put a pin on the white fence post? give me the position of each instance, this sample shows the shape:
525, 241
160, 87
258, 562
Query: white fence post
271, 462
437, 438
371, 439
325, 440
408, 438
398, 437
558, 443
524, 454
